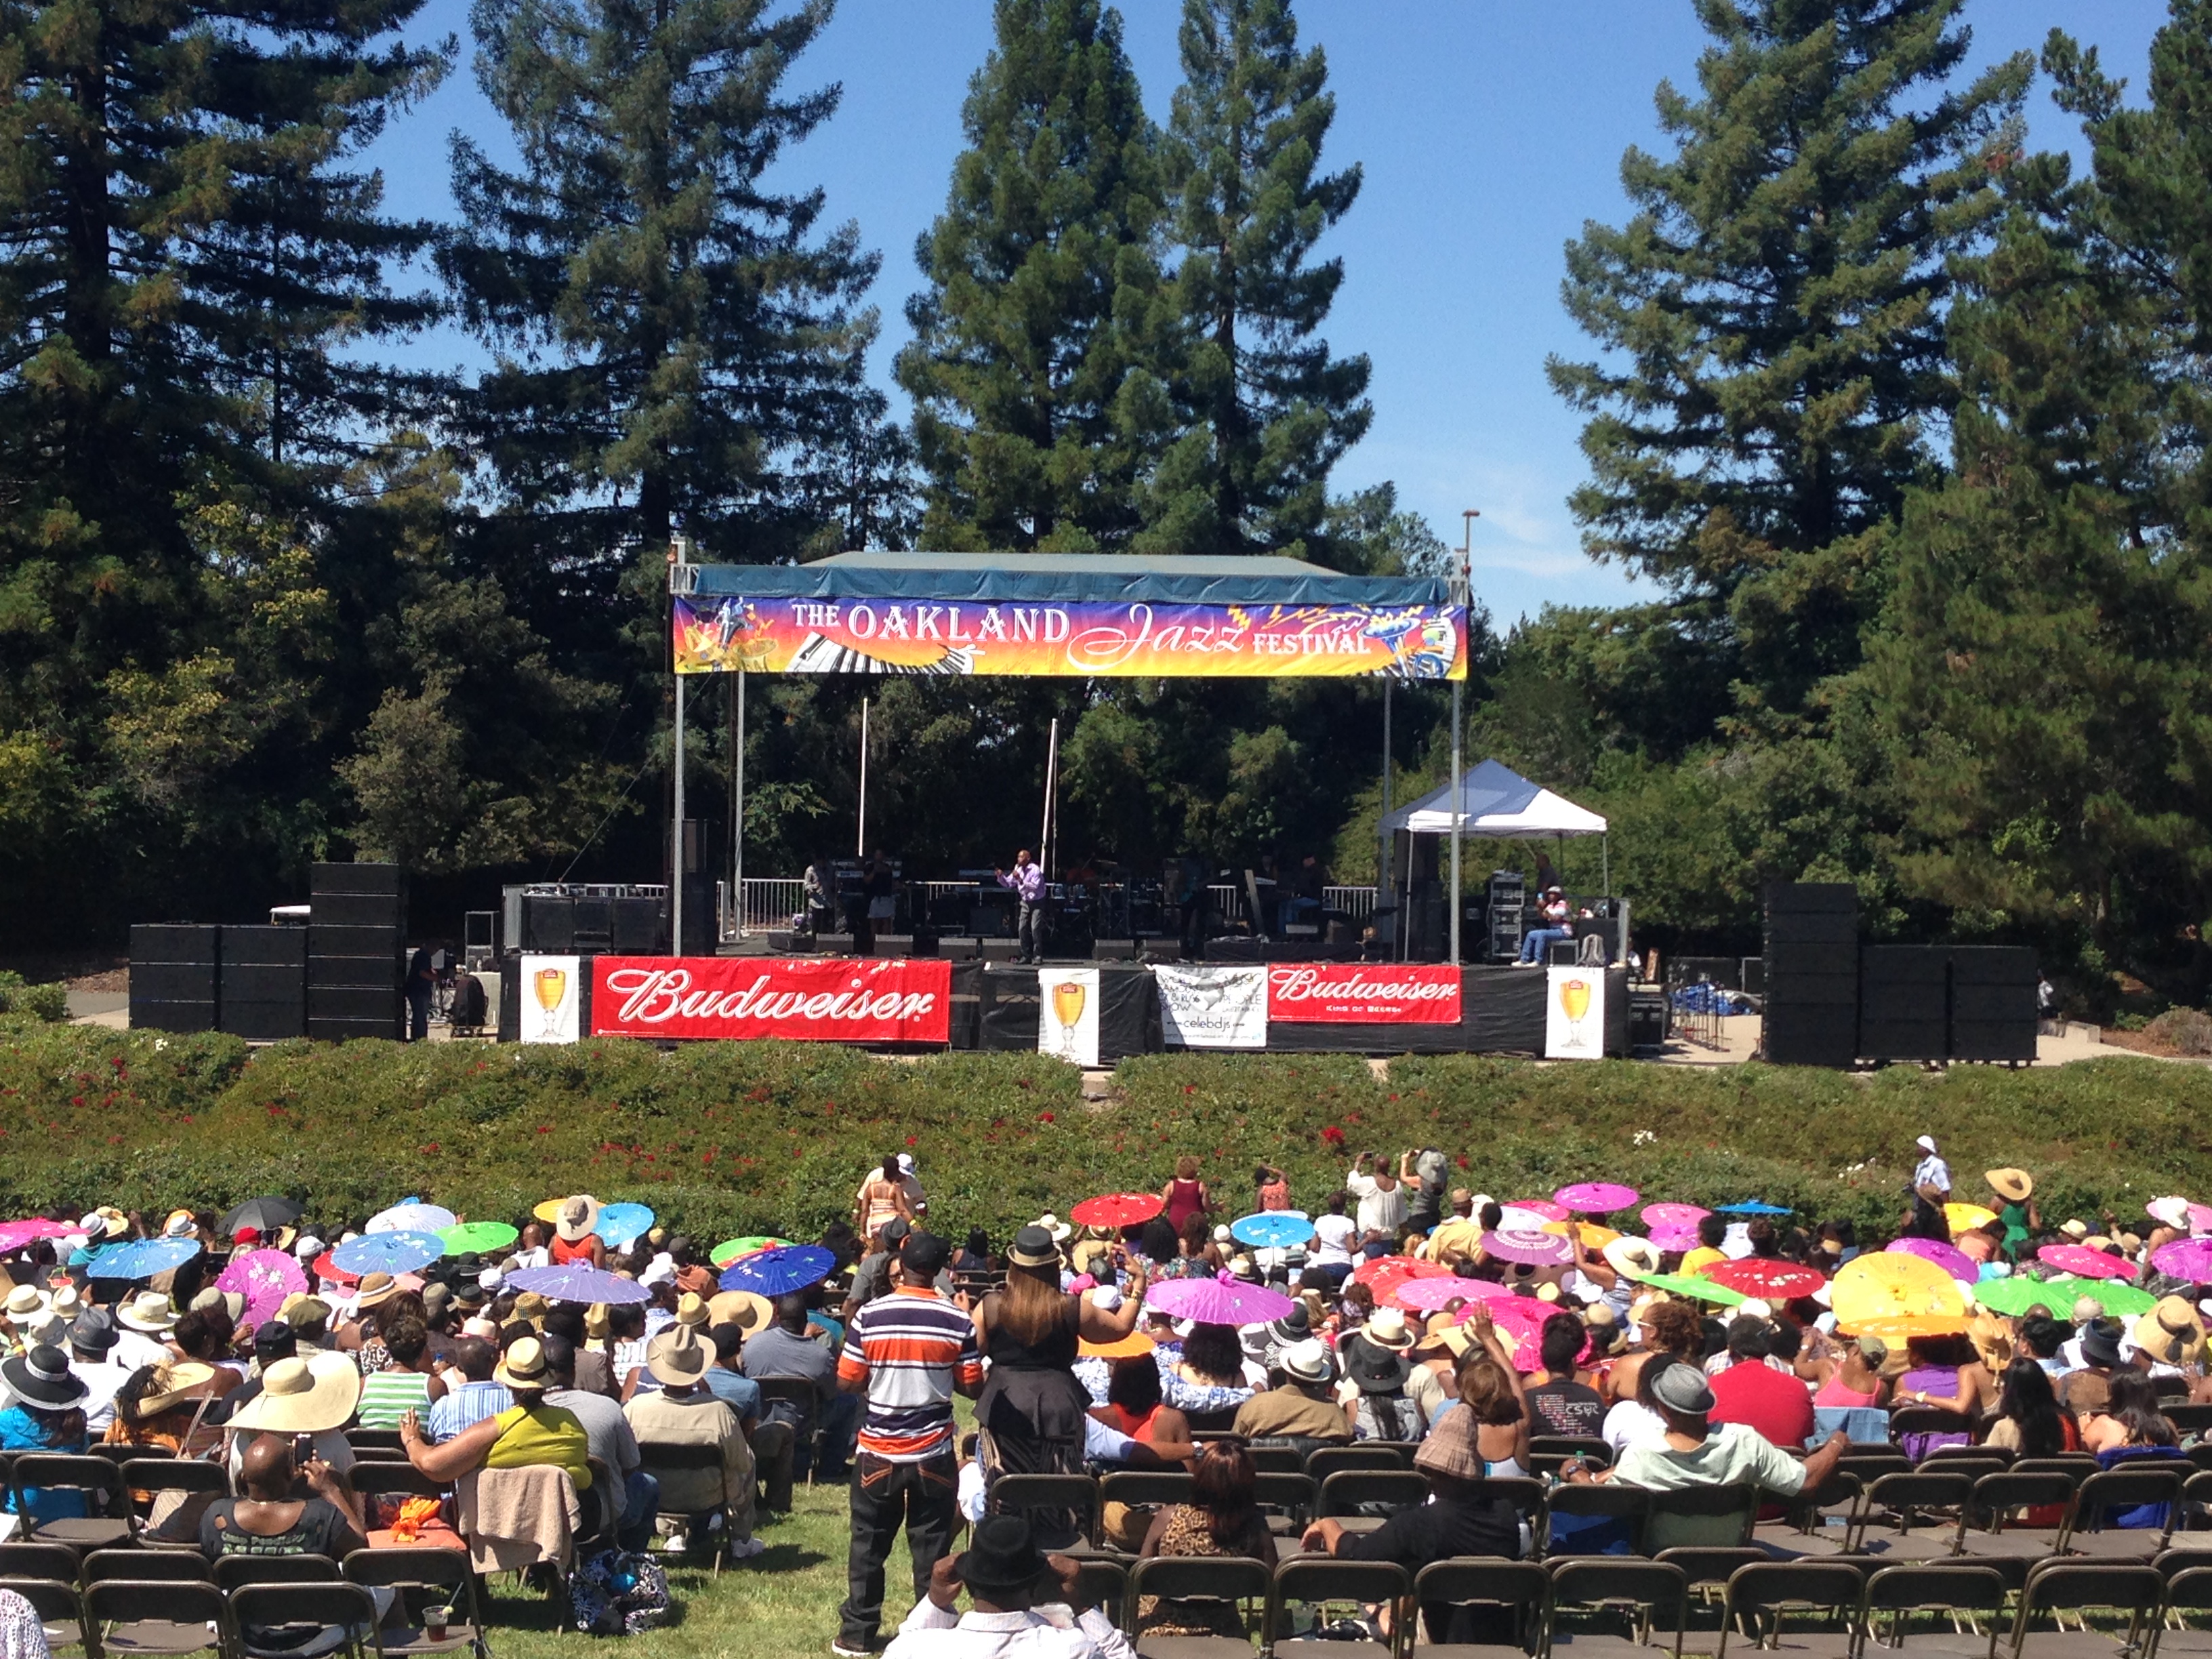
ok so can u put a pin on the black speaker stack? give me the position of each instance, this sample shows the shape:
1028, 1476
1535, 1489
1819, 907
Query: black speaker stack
175, 970
263, 983
1903, 999
1993, 1015
1812, 958
356, 951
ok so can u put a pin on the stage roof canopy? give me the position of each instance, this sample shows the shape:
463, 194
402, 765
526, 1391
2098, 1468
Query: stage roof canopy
1059, 578
1498, 801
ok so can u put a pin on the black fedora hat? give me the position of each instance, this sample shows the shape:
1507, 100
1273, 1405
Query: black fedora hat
41, 1377
1002, 1558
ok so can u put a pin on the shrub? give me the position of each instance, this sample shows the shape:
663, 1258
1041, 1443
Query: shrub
48, 1004
2185, 1030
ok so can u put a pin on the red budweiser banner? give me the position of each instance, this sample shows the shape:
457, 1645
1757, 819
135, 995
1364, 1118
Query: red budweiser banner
1363, 994
809, 1000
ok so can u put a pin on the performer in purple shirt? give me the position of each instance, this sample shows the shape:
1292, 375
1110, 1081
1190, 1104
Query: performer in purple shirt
1027, 880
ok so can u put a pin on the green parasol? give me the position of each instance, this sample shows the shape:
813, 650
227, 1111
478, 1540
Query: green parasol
2016, 1296
477, 1237
731, 1249
1694, 1285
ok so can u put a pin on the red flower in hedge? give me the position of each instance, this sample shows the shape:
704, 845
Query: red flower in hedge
910, 1140
1044, 1117
1460, 1160
1333, 1136
77, 1100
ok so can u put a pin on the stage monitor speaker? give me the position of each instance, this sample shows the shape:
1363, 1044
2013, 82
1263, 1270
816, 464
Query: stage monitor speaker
636, 927
595, 924
1647, 1019
926, 943
549, 924
990, 921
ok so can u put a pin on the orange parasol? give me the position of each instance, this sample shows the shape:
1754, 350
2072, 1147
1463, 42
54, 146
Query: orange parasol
1593, 1235
1877, 1291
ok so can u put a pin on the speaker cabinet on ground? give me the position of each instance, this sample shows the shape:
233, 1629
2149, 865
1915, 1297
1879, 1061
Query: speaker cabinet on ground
263, 983
174, 969
1993, 1014
1810, 953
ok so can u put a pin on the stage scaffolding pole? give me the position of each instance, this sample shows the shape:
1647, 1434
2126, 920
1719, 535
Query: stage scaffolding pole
676, 846
1465, 598
860, 838
1383, 824
738, 808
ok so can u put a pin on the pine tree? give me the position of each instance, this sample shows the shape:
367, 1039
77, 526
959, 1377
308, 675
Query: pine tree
673, 331
1273, 409
1774, 317
1038, 405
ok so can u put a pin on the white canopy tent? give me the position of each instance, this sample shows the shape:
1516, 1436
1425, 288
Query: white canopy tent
1496, 801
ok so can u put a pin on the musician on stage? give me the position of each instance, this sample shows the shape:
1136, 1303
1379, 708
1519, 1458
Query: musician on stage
1027, 881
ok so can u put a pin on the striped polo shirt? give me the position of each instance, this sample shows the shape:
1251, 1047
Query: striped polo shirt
914, 1348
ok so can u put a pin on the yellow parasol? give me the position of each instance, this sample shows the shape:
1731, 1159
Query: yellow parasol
1965, 1218
1889, 1289
1593, 1235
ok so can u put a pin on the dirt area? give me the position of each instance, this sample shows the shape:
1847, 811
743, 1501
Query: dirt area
2141, 1043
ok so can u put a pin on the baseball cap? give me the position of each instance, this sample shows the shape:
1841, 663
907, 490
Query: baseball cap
924, 1254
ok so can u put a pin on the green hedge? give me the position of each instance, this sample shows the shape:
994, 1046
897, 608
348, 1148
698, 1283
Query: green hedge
22, 1003
726, 1138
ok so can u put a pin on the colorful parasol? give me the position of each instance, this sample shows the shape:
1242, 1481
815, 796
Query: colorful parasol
780, 1271
1550, 1209
143, 1258
1223, 1299
1386, 1273
411, 1215
577, 1281
478, 1237
1530, 1246
1430, 1295
14, 1234
1682, 1217
1679, 1239
2089, 1263
2015, 1296
1595, 1197
621, 1226
1773, 1281
1965, 1218
1592, 1235
326, 1267
263, 1215
264, 1278
2186, 1258
2200, 1217
1696, 1286
1270, 1229
1519, 1323
1870, 1291
1751, 1207
1949, 1257
731, 1249
400, 1252
1116, 1210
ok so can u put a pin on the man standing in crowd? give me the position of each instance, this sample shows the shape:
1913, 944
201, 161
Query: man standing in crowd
784, 1349
908, 1353
1027, 881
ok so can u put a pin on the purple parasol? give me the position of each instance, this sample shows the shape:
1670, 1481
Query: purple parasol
1949, 1257
1523, 1244
1595, 1197
264, 1278
1680, 1239
2186, 1258
1223, 1299
779, 1271
574, 1282
1683, 1218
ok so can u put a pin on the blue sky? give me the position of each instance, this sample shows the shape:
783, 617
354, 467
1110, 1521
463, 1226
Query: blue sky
1488, 132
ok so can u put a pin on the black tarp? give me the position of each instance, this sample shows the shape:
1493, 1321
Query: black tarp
1128, 1009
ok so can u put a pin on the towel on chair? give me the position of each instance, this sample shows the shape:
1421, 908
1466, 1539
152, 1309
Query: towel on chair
515, 1518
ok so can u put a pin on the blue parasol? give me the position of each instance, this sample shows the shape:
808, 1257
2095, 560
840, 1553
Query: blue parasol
411, 1215
621, 1226
576, 1281
1751, 1206
1272, 1230
779, 1272
400, 1252
143, 1258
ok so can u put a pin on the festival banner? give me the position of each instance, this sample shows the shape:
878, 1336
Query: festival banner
1363, 994
552, 994
1067, 1014
1213, 1004
807, 999
1574, 1013
1084, 638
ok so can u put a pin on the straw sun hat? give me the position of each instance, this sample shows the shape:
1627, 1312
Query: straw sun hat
304, 1396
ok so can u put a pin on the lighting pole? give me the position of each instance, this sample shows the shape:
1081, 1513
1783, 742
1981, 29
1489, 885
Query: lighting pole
1462, 596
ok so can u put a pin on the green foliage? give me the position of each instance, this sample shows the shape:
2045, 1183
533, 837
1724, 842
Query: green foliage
725, 1138
1270, 410
1033, 366
47, 1003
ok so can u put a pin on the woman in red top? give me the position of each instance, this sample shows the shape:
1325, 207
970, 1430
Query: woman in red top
1186, 1195
574, 1239
1134, 1406
1275, 1190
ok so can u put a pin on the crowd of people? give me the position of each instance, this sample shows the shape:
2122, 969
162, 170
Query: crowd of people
1393, 1308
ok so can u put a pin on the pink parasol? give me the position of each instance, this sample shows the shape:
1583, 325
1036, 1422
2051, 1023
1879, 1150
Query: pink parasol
1519, 1321
1224, 1299
2186, 1258
14, 1234
1430, 1295
1595, 1197
1949, 1257
1680, 1217
1116, 1210
1681, 1240
1548, 1208
264, 1278
1526, 1245
2200, 1217
2081, 1259
1773, 1282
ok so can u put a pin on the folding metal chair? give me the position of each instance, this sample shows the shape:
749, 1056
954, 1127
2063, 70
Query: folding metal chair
1322, 1461
1758, 1596
1995, 1526
1237, 1580
60, 1609
107, 1520
1286, 1500
1655, 1594
1897, 1503
172, 1566
57, 1562
1594, 1520
1519, 1593
1971, 1590
1362, 1500
805, 1399
1102, 1582
1063, 1508
2060, 1587
314, 1609
1278, 1460
1714, 1517
136, 1616
1320, 1581
198, 1483
1817, 1521
423, 1578
236, 1571
657, 1458
1593, 1452
2131, 1487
